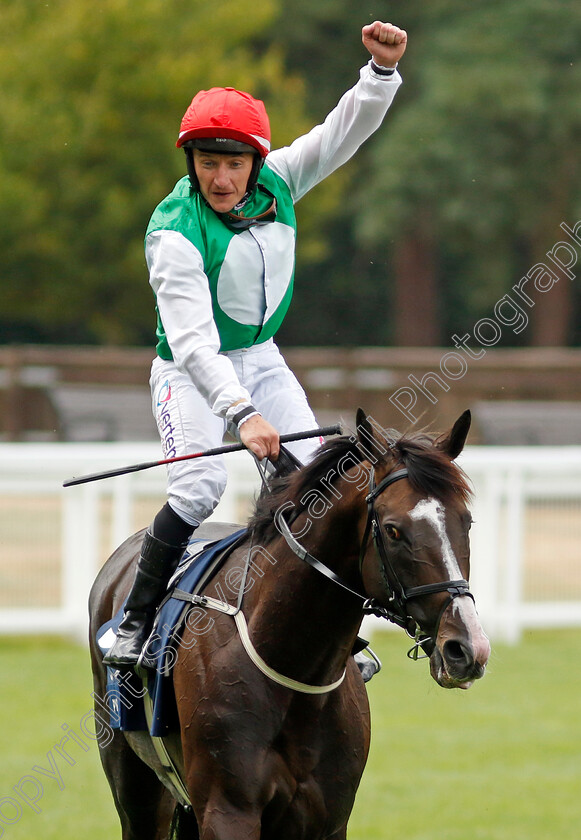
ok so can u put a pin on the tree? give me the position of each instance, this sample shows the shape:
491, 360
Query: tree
340, 293
91, 96
459, 193
482, 165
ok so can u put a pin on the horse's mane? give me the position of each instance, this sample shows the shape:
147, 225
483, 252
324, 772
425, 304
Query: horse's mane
430, 471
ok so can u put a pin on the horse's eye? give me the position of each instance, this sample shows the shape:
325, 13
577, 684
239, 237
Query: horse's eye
392, 532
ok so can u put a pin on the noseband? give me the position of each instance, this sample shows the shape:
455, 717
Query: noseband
396, 611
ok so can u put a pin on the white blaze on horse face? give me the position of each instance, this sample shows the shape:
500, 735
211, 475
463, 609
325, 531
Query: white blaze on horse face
431, 510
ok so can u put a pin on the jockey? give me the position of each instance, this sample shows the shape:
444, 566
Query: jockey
220, 250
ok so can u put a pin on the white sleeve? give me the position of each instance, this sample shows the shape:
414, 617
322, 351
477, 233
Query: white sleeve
314, 156
176, 275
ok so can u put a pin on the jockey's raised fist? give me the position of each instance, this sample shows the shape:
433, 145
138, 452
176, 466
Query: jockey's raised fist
386, 42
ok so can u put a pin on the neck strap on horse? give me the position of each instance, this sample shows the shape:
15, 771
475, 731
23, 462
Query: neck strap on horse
280, 679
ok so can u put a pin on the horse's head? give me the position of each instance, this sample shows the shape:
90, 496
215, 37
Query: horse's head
417, 564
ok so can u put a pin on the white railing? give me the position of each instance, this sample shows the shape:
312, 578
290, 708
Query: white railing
526, 539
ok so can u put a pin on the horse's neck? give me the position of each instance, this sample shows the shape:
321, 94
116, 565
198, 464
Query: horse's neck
300, 619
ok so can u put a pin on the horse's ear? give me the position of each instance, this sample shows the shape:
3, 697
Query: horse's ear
453, 443
366, 437
361, 421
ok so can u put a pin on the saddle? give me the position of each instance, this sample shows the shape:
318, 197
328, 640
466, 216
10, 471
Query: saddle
203, 558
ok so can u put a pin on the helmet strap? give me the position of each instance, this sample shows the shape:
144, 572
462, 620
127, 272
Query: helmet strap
257, 165
192, 169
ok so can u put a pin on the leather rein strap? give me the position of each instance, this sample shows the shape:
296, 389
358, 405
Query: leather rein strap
302, 552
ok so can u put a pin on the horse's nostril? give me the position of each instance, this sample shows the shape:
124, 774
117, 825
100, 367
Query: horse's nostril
457, 654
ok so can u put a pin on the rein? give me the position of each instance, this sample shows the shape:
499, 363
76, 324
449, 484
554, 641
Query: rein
301, 551
396, 611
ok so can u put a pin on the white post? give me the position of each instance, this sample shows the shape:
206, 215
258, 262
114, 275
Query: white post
122, 500
81, 543
486, 548
512, 619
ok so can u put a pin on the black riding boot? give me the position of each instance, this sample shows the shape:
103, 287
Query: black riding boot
157, 563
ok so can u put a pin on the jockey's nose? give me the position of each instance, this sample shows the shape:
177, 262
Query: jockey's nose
221, 174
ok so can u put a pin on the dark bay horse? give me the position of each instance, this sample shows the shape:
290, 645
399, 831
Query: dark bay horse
273, 747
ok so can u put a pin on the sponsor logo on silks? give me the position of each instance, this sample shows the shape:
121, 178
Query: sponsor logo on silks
164, 393
164, 421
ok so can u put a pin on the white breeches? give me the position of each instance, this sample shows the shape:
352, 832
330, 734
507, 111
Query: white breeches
186, 424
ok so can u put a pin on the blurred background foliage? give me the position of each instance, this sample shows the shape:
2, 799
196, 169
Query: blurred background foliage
453, 200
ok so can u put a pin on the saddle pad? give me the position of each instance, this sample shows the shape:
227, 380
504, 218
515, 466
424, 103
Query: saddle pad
124, 690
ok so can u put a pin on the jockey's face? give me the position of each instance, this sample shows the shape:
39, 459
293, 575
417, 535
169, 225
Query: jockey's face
223, 178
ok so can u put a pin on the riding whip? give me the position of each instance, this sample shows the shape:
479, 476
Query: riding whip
220, 450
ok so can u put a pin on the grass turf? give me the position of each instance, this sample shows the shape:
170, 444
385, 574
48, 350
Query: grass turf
500, 761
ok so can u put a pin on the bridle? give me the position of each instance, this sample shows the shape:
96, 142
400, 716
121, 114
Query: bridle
396, 611
399, 596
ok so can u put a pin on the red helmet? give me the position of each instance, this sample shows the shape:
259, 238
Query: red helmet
229, 115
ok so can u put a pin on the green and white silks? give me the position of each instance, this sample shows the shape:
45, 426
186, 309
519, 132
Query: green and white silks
250, 273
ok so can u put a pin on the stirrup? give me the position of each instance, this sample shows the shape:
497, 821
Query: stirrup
368, 663
127, 648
